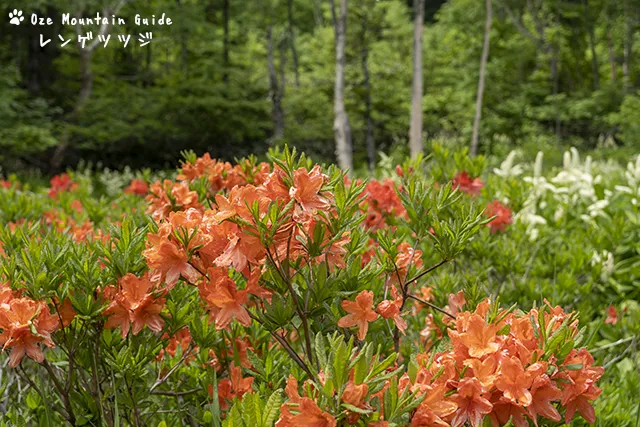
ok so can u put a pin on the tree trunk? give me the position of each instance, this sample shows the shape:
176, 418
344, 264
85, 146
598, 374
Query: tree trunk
341, 128
628, 44
317, 12
276, 112
279, 132
415, 131
225, 40
555, 81
86, 80
370, 141
483, 71
592, 45
612, 56
292, 42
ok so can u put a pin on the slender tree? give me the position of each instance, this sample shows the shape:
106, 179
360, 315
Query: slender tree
628, 46
592, 45
276, 88
341, 128
481, 79
225, 39
292, 42
369, 138
415, 131
86, 76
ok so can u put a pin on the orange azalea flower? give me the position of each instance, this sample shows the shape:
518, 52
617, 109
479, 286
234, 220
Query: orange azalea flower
583, 406
76, 205
434, 408
181, 339
242, 249
233, 387
426, 294
390, 309
24, 324
578, 386
472, 406
465, 183
312, 416
514, 381
167, 261
484, 371
137, 186
67, 313
185, 197
306, 189
360, 313
275, 188
355, 394
60, 183
504, 411
479, 337
202, 166
254, 288
612, 316
406, 258
134, 305
543, 392
382, 202
502, 216
223, 299
456, 303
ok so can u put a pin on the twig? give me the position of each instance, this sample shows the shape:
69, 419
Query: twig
63, 393
176, 393
435, 307
161, 381
613, 344
301, 314
288, 348
427, 271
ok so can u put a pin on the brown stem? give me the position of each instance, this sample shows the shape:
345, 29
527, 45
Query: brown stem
288, 348
427, 271
435, 307
63, 393
176, 393
301, 314
136, 412
161, 381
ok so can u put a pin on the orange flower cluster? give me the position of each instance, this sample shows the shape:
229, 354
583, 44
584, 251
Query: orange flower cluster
61, 183
24, 324
233, 387
201, 245
168, 196
302, 411
465, 183
138, 187
505, 370
382, 202
502, 215
135, 303
224, 175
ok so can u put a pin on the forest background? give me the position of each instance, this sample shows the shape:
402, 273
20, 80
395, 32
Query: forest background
335, 78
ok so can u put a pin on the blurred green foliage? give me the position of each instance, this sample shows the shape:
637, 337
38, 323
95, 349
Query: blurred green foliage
559, 72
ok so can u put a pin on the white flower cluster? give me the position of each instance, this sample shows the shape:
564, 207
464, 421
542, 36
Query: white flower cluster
604, 260
632, 175
572, 189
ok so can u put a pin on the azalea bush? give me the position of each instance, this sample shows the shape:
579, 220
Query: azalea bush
287, 293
